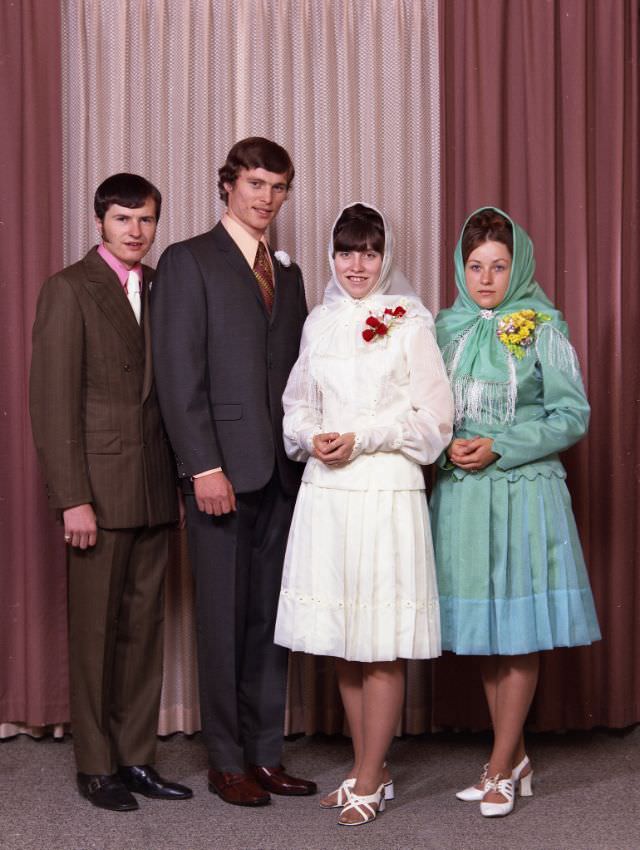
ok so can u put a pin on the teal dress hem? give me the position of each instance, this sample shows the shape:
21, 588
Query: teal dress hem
511, 572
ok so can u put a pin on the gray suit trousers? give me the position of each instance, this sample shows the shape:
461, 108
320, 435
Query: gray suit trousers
237, 563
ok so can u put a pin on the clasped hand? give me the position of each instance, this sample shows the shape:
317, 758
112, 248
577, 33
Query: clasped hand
473, 454
333, 448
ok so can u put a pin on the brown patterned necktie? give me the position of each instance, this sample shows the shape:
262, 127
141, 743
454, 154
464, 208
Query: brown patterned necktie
264, 275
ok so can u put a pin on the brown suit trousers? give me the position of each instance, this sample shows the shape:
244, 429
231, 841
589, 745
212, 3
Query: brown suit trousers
97, 427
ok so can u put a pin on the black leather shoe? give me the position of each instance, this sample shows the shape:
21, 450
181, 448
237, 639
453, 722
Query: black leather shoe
106, 792
143, 779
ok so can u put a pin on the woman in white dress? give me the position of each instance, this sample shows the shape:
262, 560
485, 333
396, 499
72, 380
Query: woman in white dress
367, 403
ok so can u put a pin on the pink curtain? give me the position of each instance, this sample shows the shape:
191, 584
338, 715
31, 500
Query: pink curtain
33, 653
541, 118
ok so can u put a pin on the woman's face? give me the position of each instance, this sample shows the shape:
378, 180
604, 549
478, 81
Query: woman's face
358, 271
487, 273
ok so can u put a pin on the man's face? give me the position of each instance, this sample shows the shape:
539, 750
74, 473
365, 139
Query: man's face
129, 233
255, 198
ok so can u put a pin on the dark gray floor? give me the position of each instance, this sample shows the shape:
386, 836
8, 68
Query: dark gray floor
586, 797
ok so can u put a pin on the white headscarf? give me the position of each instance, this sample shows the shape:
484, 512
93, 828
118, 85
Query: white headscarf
333, 330
339, 309
391, 281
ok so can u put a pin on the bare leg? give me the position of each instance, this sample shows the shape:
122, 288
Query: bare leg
383, 695
489, 675
516, 684
350, 685
489, 670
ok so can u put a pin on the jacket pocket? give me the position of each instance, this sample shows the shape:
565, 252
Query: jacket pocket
103, 442
227, 411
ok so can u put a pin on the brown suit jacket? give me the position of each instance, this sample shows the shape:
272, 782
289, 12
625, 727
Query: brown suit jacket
94, 411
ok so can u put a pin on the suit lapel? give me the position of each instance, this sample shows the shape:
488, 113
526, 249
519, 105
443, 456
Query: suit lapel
147, 383
279, 273
234, 256
105, 289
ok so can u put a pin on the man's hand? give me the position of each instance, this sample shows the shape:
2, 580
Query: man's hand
473, 454
333, 448
80, 527
214, 494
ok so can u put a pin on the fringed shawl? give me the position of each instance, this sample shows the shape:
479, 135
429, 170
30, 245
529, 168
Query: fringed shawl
481, 369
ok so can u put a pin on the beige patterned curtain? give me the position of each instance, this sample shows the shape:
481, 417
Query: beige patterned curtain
165, 87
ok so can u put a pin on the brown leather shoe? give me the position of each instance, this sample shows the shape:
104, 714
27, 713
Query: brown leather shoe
237, 789
274, 779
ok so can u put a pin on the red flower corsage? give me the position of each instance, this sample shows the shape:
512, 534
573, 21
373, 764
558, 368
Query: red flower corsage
381, 326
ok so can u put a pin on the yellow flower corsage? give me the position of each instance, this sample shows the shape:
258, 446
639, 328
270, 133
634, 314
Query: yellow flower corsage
515, 331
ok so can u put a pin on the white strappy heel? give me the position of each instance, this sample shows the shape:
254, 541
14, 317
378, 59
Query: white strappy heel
342, 794
364, 806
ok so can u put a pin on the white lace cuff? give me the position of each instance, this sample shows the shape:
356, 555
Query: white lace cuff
357, 447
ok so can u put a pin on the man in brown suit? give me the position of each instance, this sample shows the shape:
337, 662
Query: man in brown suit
109, 472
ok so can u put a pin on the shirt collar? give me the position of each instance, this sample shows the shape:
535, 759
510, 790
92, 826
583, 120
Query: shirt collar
247, 243
118, 266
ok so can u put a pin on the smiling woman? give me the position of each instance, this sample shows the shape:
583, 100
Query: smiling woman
366, 404
358, 249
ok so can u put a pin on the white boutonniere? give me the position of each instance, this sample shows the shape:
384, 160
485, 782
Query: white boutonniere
283, 258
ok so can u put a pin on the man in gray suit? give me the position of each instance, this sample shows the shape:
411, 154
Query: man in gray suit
227, 318
109, 472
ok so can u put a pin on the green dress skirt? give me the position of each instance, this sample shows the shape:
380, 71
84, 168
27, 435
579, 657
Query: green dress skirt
511, 573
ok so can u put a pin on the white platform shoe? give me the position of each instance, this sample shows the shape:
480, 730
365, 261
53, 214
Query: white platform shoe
507, 788
475, 793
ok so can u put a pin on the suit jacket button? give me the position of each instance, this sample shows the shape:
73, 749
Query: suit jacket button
126, 367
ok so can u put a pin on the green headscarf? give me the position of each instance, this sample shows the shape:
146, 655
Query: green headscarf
481, 369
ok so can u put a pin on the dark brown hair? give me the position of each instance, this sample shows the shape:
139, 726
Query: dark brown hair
486, 226
254, 152
126, 190
359, 228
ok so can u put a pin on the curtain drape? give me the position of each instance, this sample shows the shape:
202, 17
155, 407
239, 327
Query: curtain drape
541, 105
33, 649
164, 88
528, 104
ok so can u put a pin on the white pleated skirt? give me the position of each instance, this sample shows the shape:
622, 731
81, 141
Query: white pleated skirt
359, 577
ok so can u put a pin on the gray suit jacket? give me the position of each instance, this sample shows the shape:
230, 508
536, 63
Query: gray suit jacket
222, 363
94, 410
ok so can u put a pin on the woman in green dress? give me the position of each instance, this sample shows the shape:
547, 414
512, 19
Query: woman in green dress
511, 574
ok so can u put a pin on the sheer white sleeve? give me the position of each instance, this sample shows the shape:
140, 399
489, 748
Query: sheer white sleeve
426, 428
302, 404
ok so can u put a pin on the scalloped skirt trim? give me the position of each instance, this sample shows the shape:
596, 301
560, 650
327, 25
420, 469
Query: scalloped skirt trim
530, 471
